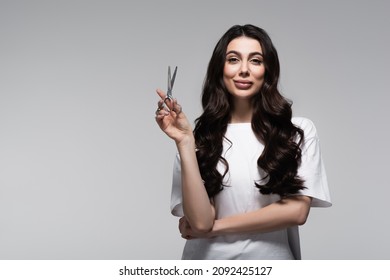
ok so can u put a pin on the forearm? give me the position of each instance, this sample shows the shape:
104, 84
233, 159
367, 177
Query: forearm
196, 204
279, 215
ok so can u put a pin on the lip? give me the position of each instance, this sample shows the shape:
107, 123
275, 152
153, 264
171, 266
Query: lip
242, 84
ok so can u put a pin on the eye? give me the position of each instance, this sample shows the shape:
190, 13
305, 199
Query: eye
232, 60
256, 61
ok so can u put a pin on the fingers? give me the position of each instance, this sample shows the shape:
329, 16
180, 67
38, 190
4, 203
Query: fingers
161, 113
182, 224
166, 105
160, 104
182, 220
161, 93
176, 107
164, 101
161, 110
185, 229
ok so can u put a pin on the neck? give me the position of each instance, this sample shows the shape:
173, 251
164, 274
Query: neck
242, 112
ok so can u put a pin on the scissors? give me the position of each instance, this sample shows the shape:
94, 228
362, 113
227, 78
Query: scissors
171, 81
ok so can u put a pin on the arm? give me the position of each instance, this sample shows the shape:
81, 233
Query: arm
284, 213
196, 203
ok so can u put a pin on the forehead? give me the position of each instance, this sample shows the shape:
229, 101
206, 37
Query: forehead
244, 45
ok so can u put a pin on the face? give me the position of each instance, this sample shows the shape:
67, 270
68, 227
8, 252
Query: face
243, 73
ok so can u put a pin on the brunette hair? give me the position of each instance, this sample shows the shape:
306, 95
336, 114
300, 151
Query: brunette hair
271, 122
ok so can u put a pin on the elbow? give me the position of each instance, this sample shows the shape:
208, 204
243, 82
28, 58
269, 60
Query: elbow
301, 219
301, 215
302, 211
201, 224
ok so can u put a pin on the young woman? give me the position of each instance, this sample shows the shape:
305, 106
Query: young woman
245, 178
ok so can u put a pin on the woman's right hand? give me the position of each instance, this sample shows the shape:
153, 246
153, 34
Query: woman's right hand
172, 120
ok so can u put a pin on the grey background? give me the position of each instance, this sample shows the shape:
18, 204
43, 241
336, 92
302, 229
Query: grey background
84, 170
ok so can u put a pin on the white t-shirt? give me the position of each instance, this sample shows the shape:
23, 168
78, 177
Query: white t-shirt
240, 195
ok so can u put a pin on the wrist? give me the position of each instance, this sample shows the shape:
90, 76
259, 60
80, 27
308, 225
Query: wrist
187, 142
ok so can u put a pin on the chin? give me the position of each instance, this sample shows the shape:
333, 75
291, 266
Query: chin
244, 94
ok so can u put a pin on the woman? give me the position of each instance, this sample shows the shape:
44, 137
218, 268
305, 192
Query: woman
245, 178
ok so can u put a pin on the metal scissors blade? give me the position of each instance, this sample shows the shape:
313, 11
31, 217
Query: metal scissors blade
171, 81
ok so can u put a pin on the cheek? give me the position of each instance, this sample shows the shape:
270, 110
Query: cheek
229, 71
259, 73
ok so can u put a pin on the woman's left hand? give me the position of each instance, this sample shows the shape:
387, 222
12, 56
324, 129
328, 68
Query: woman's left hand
187, 232
185, 229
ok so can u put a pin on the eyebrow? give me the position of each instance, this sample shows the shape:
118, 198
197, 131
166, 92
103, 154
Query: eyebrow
250, 54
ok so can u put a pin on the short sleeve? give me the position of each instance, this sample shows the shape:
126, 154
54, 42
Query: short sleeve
312, 169
176, 195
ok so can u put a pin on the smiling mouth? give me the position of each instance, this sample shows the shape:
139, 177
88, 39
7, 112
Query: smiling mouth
242, 84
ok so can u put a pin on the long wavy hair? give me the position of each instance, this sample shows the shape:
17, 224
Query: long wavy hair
271, 122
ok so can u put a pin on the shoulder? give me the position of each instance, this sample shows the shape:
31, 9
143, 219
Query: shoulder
306, 125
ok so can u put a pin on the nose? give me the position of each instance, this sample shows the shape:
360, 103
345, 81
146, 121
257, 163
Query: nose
244, 70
